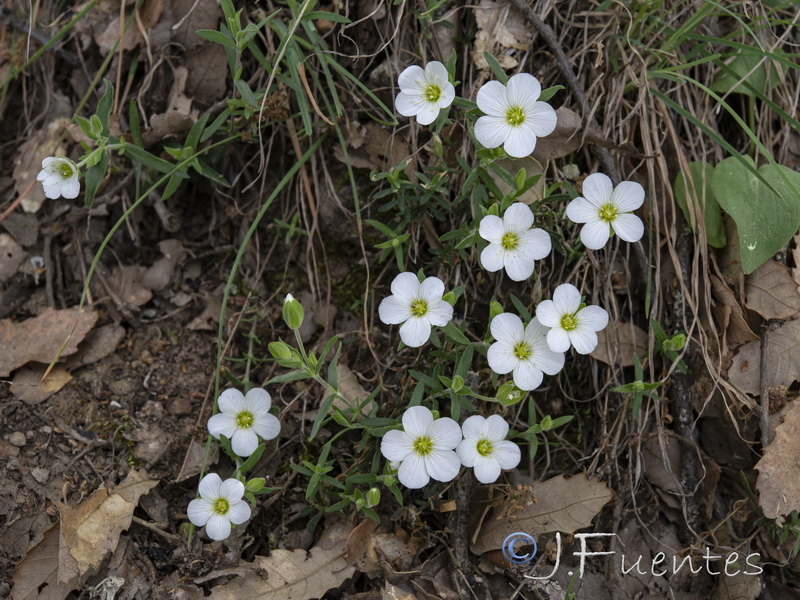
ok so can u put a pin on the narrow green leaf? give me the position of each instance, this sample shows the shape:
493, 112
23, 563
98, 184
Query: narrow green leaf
496, 68
217, 37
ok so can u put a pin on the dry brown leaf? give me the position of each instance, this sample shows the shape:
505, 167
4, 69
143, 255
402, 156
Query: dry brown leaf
729, 315
36, 577
745, 370
779, 470
392, 592
351, 388
564, 505
39, 339
208, 74
618, 342
565, 140
360, 539
100, 343
286, 575
28, 386
11, 257
91, 530
532, 167
737, 587
501, 32
783, 360
771, 291
126, 283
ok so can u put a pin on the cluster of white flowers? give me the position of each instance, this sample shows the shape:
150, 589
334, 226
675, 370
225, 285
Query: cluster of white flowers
242, 419
428, 448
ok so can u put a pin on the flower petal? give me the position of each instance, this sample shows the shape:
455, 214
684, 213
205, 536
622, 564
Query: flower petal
406, 286
412, 473
518, 218
492, 99
199, 512
439, 313
548, 361
443, 465
222, 424
581, 210
71, 188
567, 299
445, 433
535, 244
547, 314
535, 332
412, 79
232, 490
520, 141
542, 118
507, 454
431, 289
231, 401
394, 310
493, 257
594, 235
448, 95
486, 469
584, 340
518, 267
507, 327
467, 452
628, 227
597, 188
495, 428
593, 318
244, 442
558, 340
218, 528
417, 421
501, 358
526, 376
436, 73
427, 113
491, 131
472, 428
408, 105
209, 487
239, 512
628, 196
395, 445
521, 89
415, 332
492, 228
267, 426
258, 399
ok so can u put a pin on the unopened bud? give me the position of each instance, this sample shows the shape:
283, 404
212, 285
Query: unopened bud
293, 312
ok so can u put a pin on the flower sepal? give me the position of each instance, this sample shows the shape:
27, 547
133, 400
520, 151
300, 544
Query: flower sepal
508, 394
255, 485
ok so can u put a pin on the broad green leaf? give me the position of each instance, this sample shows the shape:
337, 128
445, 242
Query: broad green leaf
766, 220
697, 184
745, 66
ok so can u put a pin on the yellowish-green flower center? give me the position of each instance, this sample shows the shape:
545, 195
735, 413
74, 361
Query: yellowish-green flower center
65, 170
569, 322
221, 506
509, 241
515, 116
432, 92
419, 308
244, 419
423, 445
607, 213
522, 350
484, 447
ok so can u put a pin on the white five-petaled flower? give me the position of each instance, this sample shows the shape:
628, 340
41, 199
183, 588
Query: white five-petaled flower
569, 323
219, 505
59, 177
485, 447
418, 306
514, 118
604, 207
523, 351
240, 418
425, 448
512, 242
423, 93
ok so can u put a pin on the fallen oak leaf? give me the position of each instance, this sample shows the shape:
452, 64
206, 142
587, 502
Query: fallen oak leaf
91, 530
778, 481
772, 292
36, 575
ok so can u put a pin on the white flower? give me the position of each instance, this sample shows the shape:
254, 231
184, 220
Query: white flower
419, 306
514, 117
523, 350
240, 418
424, 93
570, 324
485, 447
512, 242
59, 177
219, 505
604, 208
425, 448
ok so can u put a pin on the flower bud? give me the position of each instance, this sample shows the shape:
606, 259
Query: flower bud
255, 484
293, 312
280, 350
373, 497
